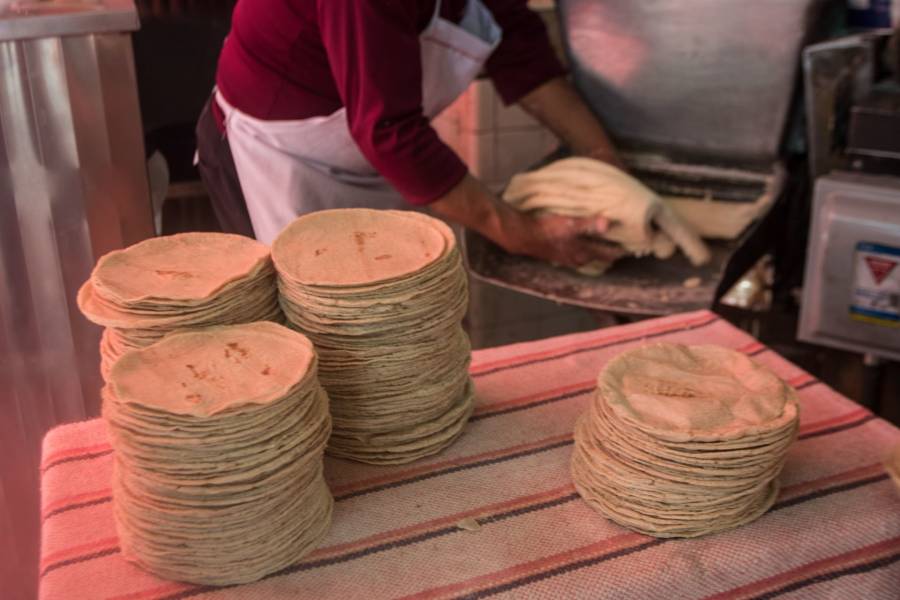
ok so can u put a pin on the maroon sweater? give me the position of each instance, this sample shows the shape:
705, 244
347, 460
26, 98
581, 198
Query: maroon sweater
294, 59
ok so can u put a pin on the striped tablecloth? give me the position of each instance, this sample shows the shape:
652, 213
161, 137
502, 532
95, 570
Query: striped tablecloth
834, 532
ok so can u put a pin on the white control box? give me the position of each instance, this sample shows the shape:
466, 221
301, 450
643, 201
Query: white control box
851, 290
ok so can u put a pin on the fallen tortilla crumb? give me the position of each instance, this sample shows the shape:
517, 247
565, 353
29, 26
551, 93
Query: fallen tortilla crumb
469, 524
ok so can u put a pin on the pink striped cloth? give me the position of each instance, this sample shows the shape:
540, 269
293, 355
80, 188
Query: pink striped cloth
834, 532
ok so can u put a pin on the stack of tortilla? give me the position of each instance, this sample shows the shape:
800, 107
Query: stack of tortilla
182, 281
382, 295
682, 441
219, 436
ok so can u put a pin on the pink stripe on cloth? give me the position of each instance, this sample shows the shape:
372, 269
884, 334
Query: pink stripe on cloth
620, 544
431, 468
484, 409
81, 550
521, 576
77, 453
75, 501
394, 532
817, 569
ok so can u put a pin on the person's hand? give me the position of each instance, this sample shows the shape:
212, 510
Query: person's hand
560, 240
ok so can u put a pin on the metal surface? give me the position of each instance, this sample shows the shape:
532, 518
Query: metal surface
637, 286
697, 180
72, 187
875, 124
836, 75
21, 20
709, 80
848, 209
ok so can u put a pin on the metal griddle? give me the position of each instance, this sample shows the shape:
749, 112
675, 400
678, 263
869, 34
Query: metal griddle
697, 95
638, 286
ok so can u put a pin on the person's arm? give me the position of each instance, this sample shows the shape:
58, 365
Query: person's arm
525, 70
561, 109
373, 52
561, 240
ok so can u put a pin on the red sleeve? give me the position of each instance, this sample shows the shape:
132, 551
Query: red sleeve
524, 59
373, 51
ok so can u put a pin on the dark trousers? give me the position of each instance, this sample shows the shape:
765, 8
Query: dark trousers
216, 166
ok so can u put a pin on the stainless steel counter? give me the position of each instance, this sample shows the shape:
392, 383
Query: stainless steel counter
72, 186
45, 18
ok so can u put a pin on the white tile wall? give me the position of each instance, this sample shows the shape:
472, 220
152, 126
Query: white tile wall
498, 141
494, 140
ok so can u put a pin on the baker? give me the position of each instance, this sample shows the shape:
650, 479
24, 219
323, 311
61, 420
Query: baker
326, 104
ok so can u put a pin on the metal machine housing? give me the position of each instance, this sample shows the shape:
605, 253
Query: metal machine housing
853, 213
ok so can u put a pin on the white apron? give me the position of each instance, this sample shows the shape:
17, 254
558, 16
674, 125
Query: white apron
288, 168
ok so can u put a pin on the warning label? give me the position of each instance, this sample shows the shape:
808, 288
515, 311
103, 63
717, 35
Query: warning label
880, 267
876, 284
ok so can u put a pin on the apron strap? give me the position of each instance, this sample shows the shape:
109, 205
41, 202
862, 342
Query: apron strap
437, 13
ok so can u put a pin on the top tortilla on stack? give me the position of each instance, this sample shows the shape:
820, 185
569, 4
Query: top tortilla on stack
382, 295
682, 441
188, 280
